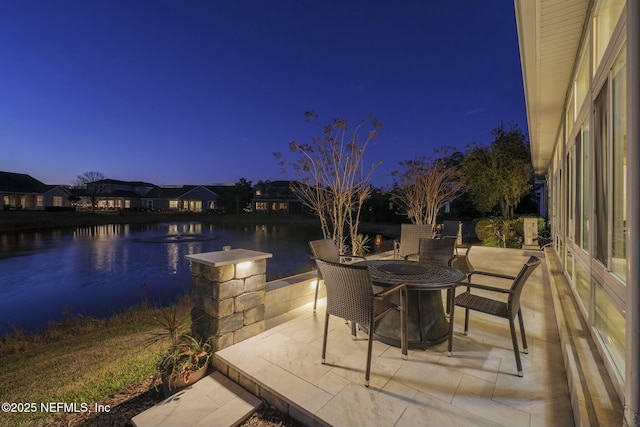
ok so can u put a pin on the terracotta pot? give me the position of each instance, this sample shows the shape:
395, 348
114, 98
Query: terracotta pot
171, 387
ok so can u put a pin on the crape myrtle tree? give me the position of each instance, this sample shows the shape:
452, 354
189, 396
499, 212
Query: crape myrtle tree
93, 192
500, 174
425, 185
331, 178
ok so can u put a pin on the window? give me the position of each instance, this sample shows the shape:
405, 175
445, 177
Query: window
585, 168
261, 206
39, 201
582, 284
610, 325
57, 200
605, 19
174, 204
570, 117
582, 79
601, 174
619, 170
581, 232
571, 202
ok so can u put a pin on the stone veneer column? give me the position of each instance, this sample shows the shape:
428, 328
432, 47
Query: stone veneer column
228, 295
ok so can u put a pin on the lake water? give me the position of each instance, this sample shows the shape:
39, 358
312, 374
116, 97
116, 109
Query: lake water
100, 270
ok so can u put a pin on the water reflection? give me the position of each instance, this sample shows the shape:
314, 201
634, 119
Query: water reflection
99, 270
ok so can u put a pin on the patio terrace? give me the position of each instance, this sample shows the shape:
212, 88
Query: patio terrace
477, 386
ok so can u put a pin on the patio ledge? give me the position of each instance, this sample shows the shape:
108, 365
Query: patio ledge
594, 399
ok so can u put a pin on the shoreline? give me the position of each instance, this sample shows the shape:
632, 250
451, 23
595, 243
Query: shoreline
19, 221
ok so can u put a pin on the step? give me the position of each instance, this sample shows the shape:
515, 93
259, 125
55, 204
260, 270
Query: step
213, 401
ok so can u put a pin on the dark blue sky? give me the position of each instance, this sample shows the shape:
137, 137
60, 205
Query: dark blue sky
196, 92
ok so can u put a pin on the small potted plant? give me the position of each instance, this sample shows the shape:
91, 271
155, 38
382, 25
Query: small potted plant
184, 363
187, 358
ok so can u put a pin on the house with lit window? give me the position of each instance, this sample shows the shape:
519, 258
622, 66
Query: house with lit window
275, 197
581, 78
193, 198
23, 192
111, 194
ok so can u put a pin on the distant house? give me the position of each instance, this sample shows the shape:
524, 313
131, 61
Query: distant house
111, 194
193, 198
21, 191
275, 197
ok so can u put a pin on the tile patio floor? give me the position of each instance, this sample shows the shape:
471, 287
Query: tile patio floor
477, 386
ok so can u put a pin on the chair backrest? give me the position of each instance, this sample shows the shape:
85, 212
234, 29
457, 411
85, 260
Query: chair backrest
325, 249
410, 235
349, 291
461, 261
436, 251
513, 303
451, 230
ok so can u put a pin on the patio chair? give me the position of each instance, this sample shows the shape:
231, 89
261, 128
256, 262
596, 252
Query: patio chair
325, 249
350, 296
462, 262
450, 230
410, 235
507, 310
436, 251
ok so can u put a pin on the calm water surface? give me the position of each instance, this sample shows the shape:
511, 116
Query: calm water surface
102, 269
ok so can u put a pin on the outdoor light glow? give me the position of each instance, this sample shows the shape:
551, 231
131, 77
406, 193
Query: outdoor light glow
245, 264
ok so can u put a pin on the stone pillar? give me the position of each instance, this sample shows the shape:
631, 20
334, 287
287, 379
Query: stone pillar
530, 233
228, 295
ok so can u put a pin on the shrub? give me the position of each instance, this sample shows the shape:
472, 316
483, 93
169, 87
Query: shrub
484, 228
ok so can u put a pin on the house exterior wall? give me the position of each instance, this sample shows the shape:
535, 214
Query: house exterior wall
592, 184
19, 201
57, 197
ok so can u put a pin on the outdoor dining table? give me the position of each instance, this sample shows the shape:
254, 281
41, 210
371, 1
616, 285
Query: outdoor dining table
427, 322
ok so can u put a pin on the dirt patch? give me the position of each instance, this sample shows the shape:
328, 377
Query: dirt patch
123, 406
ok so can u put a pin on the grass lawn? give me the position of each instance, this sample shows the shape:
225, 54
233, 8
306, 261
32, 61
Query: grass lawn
80, 361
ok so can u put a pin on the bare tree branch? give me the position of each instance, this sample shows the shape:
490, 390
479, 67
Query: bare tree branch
425, 186
331, 179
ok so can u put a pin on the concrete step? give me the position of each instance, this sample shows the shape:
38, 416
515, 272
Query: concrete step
213, 401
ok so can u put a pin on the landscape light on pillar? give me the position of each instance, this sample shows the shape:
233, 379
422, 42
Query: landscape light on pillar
228, 289
378, 241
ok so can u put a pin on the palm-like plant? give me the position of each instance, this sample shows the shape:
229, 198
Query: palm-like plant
185, 355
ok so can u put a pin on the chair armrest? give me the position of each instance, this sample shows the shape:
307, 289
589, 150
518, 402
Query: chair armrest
490, 274
487, 288
391, 290
353, 256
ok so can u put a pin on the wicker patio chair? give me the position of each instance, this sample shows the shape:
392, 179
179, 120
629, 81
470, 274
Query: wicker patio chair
436, 251
410, 235
350, 296
462, 262
450, 230
325, 249
507, 310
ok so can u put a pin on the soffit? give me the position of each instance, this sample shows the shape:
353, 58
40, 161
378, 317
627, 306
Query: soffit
549, 33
